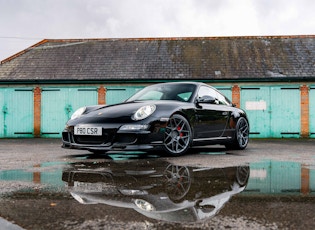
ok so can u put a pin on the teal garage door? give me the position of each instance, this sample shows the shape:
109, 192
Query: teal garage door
17, 116
285, 112
312, 111
256, 102
59, 104
118, 94
272, 111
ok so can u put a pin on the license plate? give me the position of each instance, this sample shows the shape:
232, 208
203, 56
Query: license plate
91, 131
88, 187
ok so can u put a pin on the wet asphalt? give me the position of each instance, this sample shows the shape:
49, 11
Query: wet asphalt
42, 185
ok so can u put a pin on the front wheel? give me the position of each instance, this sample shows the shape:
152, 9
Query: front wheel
178, 135
241, 137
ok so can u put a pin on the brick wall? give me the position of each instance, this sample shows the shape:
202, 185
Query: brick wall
304, 111
37, 110
101, 95
236, 96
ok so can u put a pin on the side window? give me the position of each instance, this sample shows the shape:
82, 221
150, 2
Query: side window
222, 99
206, 91
184, 96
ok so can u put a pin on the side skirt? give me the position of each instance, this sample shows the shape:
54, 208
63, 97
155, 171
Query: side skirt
212, 140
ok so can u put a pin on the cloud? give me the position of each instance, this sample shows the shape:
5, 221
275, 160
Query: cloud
25, 22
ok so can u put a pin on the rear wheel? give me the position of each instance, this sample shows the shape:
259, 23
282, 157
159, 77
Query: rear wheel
241, 135
177, 137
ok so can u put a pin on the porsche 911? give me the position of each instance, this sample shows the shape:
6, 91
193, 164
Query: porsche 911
170, 117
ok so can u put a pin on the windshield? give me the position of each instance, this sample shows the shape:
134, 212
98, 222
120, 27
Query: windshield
178, 92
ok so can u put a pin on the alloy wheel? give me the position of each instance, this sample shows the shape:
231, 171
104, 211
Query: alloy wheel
242, 134
177, 135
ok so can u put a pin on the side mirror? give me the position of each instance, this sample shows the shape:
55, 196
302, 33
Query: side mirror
206, 99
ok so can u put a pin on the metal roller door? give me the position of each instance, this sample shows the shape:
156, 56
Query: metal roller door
58, 104
118, 94
17, 114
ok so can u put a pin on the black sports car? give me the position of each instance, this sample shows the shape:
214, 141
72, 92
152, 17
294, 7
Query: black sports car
172, 116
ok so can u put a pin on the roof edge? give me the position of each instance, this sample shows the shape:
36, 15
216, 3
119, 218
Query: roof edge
24, 51
181, 38
111, 81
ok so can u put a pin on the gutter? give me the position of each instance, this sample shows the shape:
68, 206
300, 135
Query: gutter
103, 81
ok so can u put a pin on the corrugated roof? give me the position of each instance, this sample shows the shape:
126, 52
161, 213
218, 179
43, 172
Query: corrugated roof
210, 58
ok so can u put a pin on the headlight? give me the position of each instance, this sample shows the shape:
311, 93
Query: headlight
144, 112
144, 205
78, 113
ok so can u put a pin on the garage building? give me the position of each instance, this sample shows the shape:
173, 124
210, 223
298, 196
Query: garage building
271, 77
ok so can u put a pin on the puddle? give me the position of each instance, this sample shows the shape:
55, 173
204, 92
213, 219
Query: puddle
153, 188
39, 176
280, 177
156, 188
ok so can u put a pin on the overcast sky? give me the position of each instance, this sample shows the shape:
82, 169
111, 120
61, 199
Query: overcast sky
26, 22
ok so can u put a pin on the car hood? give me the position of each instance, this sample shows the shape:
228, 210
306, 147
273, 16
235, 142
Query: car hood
123, 112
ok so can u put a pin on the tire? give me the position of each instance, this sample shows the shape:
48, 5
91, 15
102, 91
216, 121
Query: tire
177, 136
241, 137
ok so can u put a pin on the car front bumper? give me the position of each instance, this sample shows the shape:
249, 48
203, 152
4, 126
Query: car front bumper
114, 139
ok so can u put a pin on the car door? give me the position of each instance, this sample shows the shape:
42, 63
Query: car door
211, 117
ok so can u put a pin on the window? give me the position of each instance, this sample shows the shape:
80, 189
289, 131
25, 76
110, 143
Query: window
151, 95
207, 91
184, 96
222, 99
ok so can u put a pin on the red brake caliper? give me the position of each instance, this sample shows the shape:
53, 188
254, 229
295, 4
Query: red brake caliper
178, 129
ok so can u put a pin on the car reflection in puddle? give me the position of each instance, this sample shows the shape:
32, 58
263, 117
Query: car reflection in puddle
156, 188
